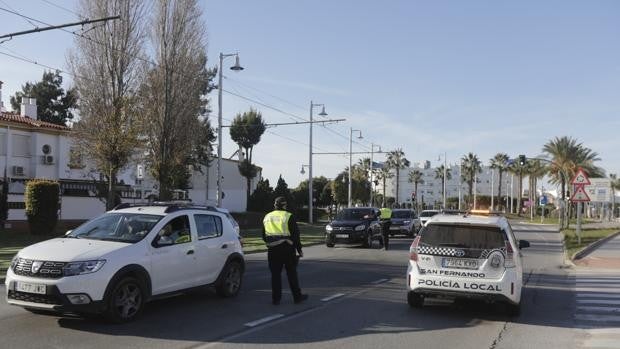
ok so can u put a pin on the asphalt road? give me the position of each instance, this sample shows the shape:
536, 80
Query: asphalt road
357, 300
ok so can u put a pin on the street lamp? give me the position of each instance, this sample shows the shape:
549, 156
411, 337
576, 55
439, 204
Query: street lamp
372, 149
351, 158
322, 113
236, 67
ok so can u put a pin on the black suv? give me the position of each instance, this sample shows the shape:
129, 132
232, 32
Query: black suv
354, 226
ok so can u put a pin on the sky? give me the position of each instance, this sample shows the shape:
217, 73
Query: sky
430, 77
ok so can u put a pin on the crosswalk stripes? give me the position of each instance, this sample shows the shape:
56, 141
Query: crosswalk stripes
597, 308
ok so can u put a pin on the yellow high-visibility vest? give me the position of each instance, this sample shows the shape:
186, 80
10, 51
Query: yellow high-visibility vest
276, 223
386, 213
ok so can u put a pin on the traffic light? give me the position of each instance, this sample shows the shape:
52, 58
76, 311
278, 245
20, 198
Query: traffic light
522, 160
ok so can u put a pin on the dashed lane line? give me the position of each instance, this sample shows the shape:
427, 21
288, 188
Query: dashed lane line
264, 320
327, 299
380, 281
598, 301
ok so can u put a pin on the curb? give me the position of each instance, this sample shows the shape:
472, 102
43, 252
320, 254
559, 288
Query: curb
586, 250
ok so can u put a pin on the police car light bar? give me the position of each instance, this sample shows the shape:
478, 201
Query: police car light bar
484, 213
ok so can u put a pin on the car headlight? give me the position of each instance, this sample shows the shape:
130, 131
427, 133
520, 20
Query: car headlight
14, 262
79, 268
329, 228
360, 227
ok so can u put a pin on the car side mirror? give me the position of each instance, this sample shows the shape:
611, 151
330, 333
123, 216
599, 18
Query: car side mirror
524, 244
162, 240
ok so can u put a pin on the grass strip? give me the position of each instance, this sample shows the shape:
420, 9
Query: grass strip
588, 236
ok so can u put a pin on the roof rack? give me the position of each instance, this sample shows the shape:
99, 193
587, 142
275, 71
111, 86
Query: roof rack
171, 206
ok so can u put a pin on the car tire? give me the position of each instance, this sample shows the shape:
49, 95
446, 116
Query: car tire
415, 300
330, 244
513, 309
125, 301
230, 280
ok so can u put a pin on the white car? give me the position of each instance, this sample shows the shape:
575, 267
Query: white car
466, 256
426, 215
115, 263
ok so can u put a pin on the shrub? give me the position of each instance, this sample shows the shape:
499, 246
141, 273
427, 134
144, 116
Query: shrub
42, 203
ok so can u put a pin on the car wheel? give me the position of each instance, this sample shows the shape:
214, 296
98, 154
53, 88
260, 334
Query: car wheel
513, 309
329, 244
230, 282
415, 300
126, 300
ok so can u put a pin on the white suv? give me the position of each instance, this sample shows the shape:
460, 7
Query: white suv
466, 256
115, 263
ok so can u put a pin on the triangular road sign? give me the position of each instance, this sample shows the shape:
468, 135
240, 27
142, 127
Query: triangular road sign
581, 178
580, 194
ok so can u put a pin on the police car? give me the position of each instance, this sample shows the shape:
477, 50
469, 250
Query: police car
115, 263
474, 255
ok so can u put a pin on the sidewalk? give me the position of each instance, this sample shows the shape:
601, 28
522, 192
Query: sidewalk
605, 256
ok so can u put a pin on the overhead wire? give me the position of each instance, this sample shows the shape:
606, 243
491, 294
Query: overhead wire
63, 8
24, 18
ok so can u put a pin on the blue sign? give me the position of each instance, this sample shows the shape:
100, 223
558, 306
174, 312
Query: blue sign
543, 200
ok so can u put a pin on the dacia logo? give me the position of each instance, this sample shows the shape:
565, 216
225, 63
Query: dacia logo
459, 253
36, 265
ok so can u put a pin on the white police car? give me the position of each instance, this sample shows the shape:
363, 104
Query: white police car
115, 263
466, 256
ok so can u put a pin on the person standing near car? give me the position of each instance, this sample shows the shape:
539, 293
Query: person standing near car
281, 234
386, 217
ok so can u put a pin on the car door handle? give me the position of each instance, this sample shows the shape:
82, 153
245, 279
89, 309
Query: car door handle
190, 252
225, 246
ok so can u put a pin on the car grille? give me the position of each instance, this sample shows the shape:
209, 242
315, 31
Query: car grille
339, 229
34, 298
47, 269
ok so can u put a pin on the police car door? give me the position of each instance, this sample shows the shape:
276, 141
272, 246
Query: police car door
212, 249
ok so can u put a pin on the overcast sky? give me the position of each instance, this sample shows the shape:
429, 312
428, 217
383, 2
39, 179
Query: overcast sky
427, 76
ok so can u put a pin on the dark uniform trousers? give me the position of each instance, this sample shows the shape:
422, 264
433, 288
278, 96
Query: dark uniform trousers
283, 255
385, 230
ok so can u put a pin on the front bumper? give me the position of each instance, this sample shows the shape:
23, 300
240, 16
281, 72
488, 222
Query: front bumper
348, 237
506, 288
56, 292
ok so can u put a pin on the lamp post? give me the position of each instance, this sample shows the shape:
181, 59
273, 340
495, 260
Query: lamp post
236, 67
310, 203
372, 149
351, 159
492, 192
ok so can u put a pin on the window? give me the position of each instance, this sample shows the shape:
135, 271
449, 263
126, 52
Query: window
175, 232
208, 226
21, 145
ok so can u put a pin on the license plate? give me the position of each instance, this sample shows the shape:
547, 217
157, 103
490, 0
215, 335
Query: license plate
342, 236
30, 288
394, 228
459, 263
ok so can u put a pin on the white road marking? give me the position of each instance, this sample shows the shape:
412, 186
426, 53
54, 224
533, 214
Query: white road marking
380, 281
598, 318
599, 301
337, 295
602, 309
263, 320
598, 295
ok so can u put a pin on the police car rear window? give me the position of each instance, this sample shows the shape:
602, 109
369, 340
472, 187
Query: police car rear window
462, 236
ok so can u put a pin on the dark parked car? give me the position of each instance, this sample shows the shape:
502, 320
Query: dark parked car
404, 221
356, 225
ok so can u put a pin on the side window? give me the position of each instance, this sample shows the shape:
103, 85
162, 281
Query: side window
208, 226
174, 232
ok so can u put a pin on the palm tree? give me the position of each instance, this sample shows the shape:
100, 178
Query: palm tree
517, 168
396, 160
500, 162
415, 177
614, 185
535, 170
470, 166
439, 175
383, 174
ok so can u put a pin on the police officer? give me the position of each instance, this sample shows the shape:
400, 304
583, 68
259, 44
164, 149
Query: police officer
281, 234
386, 221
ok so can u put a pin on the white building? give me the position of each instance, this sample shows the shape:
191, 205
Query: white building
31, 148
430, 191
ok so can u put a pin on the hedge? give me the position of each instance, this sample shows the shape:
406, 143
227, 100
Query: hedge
42, 204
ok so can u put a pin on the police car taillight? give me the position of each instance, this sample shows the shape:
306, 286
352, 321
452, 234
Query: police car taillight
413, 250
509, 262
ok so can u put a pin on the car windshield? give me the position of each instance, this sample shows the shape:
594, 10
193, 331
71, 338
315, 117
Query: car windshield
353, 214
428, 213
122, 227
463, 236
401, 214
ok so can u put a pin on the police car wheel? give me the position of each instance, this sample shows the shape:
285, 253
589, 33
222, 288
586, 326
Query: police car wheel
415, 300
230, 282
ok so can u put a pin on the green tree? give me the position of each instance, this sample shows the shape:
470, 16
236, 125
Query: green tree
518, 169
415, 177
246, 130
318, 184
283, 190
42, 203
439, 175
614, 185
383, 175
339, 187
53, 103
535, 170
500, 162
470, 167
262, 198
396, 160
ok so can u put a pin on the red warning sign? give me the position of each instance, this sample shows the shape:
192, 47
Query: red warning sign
580, 194
581, 178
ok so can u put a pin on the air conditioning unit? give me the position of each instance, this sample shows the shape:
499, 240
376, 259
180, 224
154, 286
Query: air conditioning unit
18, 170
48, 159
